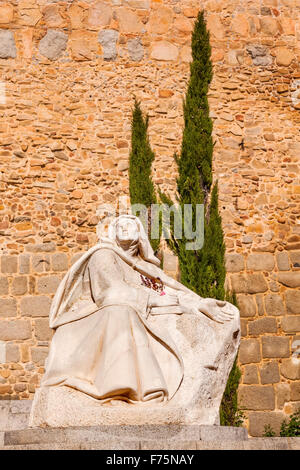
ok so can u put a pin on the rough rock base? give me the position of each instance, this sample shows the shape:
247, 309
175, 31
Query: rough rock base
65, 407
208, 350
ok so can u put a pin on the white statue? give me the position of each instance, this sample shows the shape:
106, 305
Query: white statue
111, 342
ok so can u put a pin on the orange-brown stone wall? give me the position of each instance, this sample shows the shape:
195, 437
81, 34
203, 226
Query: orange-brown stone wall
69, 71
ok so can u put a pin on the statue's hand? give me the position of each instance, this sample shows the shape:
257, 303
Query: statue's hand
217, 310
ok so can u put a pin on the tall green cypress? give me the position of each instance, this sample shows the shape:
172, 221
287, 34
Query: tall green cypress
202, 270
141, 186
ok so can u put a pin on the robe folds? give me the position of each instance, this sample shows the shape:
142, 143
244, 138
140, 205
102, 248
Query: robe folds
103, 344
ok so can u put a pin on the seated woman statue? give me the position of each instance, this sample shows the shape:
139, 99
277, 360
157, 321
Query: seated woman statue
104, 344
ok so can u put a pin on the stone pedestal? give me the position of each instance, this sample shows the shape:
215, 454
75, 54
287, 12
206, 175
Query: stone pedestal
127, 436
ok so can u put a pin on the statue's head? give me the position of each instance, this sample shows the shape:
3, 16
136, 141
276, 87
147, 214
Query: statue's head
127, 231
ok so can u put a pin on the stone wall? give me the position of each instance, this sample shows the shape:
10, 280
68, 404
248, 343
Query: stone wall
69, 71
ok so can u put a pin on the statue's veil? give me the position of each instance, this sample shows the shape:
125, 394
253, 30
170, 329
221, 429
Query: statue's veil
144, 246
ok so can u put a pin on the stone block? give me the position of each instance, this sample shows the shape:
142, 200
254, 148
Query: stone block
9, 263
40, 247
53, 44
59, 262
186, 54
269, 373
291, 324
283, 261
295, 258
129, 433
244, 327
3, 285
5, 389
291, 279
234, 263
42, 330
6, 13
164, 50
249, 351
51, 16
183, 25
292, 300
240, 25
249, 284
290, 369
260, 262
256, 397
275, 347
295, 391
247, 305
129, 22
76, 14
20, 387
258, 421
160, 20
7, 46
99, 15
14, 330
40, 263
19, 285
12, 353
35, 306
274, 305
282, 393
8, 308
135, 49
284, 56
260, 304
39, 355
287, 26
215, 26
262, 325
48, 284
24, 264
108, 40
292, 407
84, 46
260, 55
250, 375
269, 26
27, 43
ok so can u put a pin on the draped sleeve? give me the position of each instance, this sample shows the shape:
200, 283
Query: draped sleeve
108, 286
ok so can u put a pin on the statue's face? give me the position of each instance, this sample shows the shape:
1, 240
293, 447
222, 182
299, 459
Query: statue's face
127, 230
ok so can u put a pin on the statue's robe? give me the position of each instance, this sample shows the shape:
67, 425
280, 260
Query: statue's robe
103, 344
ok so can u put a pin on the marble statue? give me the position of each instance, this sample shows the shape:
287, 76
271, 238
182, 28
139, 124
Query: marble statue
118, 344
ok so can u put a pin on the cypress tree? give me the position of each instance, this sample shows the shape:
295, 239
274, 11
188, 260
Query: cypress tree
202, 270
141, 187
